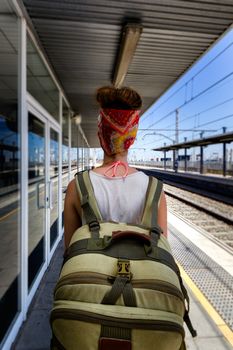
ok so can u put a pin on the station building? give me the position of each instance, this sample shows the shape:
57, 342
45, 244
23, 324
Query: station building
38, 157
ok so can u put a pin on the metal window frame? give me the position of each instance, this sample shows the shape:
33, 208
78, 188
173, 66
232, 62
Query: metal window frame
20, 316
24, 164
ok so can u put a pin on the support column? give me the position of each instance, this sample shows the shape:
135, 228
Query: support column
201, 160
224, 170
185, 159
174, 159
164, 160
224, 165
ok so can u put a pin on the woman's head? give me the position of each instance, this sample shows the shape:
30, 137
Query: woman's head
119, 117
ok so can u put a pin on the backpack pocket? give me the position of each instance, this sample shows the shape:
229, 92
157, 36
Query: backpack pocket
87, 326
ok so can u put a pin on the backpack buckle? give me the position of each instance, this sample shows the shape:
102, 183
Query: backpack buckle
123, 268
94, 225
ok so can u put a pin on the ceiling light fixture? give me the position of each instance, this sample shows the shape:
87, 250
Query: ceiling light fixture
130, 37
77, 118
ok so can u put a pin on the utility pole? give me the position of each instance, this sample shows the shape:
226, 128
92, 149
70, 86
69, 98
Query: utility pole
185, 156
177, 125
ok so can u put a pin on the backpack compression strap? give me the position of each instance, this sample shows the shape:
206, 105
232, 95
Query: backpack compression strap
150, 214
155, 203
153, 195
88, 212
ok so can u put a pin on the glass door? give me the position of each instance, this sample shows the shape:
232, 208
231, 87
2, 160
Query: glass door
37, 196
43, 191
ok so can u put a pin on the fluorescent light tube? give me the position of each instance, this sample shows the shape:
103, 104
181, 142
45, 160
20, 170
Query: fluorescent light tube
130, 37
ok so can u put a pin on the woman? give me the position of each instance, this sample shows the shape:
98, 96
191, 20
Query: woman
118, 289
120, 190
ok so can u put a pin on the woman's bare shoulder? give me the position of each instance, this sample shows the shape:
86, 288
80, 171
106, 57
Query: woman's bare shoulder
71, 186
72, 197
71, 192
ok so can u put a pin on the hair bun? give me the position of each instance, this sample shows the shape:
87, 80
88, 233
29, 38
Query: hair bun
122, 98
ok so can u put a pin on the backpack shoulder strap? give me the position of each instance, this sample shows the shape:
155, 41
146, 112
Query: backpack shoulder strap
90, 209
153, 196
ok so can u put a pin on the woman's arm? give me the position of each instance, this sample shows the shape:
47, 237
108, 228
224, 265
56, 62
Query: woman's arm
72, 212
162, 214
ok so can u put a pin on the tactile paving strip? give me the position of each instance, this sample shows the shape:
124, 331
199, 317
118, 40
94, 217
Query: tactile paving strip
214, 282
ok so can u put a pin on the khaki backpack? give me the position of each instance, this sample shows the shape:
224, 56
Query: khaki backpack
119, 287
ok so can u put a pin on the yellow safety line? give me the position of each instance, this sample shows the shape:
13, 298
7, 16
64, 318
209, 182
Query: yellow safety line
8, 214
221, 324
13, 210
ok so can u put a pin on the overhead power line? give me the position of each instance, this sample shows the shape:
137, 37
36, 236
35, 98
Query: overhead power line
213, 121
216, 120
191, 79
176, 129
208, 109
194, 98
197, 96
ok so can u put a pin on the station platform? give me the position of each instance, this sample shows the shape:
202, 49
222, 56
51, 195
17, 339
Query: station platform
207, 271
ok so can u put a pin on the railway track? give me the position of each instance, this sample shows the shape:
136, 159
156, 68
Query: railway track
212, 216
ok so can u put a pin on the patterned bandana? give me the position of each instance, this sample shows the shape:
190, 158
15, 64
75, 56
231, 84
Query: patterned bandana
117, 129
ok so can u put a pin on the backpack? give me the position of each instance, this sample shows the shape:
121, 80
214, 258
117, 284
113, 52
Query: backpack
119, 287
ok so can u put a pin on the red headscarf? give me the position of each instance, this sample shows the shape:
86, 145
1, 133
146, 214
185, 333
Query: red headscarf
117, 129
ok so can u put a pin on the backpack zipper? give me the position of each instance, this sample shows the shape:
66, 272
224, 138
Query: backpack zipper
91, 317
97, 278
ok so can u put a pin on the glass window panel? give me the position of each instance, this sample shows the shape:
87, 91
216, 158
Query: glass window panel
54, 193
36, 197
9, 171
39, 82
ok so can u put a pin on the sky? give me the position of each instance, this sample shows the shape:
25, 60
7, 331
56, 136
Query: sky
203, 97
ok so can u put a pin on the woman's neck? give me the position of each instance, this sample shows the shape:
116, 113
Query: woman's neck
120, 169
122, 157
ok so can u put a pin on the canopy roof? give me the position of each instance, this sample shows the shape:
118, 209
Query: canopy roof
227, 137
81, 38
